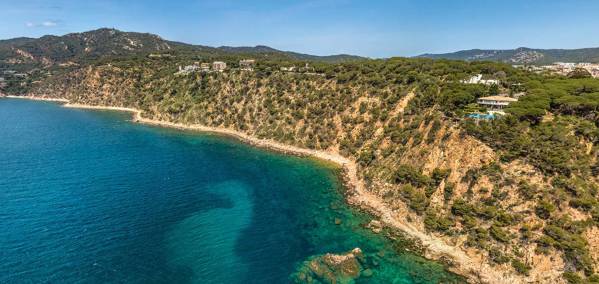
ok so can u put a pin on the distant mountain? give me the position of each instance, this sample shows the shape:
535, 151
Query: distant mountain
523, 55
294, 55
79, 47
18, 40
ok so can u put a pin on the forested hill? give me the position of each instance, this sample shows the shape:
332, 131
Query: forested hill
295, 55
84, 47
523, 55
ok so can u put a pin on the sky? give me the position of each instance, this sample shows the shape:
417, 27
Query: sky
368, 27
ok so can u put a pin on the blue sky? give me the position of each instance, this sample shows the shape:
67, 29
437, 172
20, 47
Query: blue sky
368, 28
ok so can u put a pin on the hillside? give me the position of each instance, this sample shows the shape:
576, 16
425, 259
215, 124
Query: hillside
294, 55
517, 195
75, 48
510, 200
523, 55
86, 46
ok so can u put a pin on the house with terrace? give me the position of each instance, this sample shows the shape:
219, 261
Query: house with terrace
495, 103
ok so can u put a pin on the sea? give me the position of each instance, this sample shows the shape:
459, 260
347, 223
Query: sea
88, 196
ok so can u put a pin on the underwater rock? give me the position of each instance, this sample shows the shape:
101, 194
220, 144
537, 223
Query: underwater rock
332, 268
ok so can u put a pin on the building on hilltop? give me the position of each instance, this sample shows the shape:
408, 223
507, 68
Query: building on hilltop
306, 68
288, 69
219, 66
478, 79
495, 103
187, 69
473, 80
205, 67
490, 82
247, 64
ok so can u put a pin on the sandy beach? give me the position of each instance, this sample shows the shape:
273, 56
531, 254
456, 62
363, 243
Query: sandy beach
48, 99
475, 270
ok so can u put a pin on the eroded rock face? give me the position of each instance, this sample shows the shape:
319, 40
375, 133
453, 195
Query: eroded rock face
331, 268
375, 225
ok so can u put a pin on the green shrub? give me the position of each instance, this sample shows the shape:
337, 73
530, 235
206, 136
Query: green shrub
366, 156
430, 190
469, 223
487, 212
415, 198
434, 222
573, 277
593, 278
500, 234
526, 190
462, 208
526, 232
479, 237
439, 175
497, 256
595, 214
573, 245
505, 219
448, 191
544, 209
408, 175
520, 266
585, 202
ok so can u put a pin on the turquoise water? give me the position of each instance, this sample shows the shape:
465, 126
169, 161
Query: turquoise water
88, 197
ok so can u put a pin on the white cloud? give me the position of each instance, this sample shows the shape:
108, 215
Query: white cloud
47, 24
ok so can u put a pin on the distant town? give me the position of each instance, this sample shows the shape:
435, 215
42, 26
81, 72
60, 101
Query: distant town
563, 68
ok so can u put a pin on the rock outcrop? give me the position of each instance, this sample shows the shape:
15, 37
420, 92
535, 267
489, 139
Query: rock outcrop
333, 268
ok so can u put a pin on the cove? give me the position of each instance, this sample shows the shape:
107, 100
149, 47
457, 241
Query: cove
89, 197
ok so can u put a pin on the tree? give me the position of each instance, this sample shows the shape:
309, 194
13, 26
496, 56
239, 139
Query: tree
579, 73
494, 90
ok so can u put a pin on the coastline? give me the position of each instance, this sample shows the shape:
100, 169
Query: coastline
435, 248
34, 98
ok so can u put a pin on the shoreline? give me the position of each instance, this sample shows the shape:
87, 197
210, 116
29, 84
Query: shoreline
34, 98
434, 248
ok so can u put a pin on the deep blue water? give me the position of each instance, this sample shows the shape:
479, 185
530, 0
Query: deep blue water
89, 197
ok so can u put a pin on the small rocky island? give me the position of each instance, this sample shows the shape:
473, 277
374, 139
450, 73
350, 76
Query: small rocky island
335, 268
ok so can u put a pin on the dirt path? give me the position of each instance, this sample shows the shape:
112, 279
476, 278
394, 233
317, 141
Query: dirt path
403, 103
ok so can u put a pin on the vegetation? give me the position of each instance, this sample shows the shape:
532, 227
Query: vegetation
541, 161
524, 55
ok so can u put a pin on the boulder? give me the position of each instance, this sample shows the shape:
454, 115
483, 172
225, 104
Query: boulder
332, 268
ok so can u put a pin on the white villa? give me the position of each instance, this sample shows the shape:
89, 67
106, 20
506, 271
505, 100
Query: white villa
478, 79
496, 103
288, 69
247, 64
204, 67
219, 66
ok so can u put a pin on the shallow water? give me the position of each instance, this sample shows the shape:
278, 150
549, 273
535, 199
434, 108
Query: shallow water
87, 196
